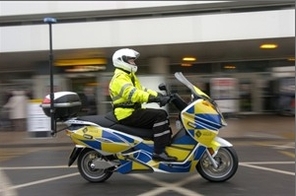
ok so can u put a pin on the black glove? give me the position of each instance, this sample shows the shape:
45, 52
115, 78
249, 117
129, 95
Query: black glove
162, 100
159, 94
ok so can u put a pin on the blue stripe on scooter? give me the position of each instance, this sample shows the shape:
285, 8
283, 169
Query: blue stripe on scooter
112, 137
175, 168
186, 139
213, 121
215, 118
190, 110
93, 144
145, 147
199, 152
142, 156
125, 167
130, 140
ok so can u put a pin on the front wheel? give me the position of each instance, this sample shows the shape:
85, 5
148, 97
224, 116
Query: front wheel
227, 161
86, 170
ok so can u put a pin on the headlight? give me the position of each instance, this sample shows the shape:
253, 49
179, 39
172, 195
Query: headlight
192, 97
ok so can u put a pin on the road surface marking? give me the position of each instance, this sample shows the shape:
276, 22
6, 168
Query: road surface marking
37, 167
289, 154
164, 186
290, 145
4, 184
269, 162
9, 188
41, 181
268, 169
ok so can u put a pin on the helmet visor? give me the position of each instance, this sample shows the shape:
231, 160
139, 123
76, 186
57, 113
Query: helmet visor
131, 61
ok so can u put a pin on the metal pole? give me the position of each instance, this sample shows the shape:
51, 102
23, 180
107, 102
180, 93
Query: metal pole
50, 21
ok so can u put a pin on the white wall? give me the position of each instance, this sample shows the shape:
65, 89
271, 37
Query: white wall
283, 71
152, 82
10, 8
186, 29
41, 84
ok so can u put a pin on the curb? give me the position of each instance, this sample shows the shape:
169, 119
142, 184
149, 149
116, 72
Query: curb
22, 145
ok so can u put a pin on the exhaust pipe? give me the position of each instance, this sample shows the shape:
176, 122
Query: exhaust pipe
103, 164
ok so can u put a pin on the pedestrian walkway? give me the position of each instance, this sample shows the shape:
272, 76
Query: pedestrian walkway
260, 126
243, 127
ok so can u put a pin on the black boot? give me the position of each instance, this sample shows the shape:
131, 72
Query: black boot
163, 157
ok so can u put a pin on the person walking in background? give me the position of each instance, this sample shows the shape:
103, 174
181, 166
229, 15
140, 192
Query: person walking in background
127, 96
17, 106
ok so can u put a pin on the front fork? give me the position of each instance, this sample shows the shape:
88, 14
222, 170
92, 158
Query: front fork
211, 158
213, 149
74, 154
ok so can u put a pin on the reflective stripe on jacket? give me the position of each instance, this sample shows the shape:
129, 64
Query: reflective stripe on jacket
124, 91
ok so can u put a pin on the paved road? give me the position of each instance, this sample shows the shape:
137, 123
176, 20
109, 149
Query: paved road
265, 145
266, 168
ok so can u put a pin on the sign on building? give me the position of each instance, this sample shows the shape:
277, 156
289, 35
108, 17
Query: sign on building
38, 123
225, 92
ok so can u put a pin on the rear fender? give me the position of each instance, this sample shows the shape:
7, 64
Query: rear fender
74, 154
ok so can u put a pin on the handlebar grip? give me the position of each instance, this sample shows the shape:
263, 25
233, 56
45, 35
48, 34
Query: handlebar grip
178, 102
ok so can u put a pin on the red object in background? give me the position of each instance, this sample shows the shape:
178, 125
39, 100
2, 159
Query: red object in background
46, 101
293, 103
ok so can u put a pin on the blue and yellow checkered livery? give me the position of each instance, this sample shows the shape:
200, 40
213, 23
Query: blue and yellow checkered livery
202, 121
103, 139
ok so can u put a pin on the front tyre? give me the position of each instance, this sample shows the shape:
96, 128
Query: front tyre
227, 161
84, 164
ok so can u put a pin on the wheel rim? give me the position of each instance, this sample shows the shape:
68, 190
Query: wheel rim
87, 168
224, 161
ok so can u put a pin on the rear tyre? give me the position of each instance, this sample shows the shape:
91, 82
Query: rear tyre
227, 161
84, 164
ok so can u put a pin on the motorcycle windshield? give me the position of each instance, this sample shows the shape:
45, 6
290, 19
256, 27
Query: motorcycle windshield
199, 93
195, 90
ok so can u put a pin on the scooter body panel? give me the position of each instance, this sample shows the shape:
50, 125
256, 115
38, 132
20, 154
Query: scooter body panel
135, 154
201, 121
104, 139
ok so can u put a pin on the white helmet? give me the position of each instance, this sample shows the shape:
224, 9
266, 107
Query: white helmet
120, 59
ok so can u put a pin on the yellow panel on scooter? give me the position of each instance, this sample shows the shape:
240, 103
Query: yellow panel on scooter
204, 136
204, 107
183, 146
114, 147
201, 115
140, 167
181, 154
93, 136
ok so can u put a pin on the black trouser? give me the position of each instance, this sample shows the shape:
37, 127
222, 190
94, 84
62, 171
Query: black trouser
155, 119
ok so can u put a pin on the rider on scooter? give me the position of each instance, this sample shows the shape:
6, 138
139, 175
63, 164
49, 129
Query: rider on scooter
127, 96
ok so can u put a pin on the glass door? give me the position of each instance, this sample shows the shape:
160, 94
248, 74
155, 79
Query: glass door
251, 89
86, 88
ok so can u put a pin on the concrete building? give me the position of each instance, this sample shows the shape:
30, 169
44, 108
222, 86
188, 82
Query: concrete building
224, 37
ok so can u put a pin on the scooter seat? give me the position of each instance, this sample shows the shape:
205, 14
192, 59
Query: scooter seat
111, 122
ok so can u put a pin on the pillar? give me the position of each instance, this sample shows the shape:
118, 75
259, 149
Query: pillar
159, 65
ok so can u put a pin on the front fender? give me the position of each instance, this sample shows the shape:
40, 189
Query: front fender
222, 142
219, 142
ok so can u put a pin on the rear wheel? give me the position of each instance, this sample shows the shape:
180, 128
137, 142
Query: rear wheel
86, 169
227, 161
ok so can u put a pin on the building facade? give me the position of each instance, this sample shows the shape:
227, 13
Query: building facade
223, 37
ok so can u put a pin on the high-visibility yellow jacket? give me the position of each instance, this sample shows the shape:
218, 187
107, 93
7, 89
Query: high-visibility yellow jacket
126, 91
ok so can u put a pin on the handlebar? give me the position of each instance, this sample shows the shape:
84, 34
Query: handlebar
178, 101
